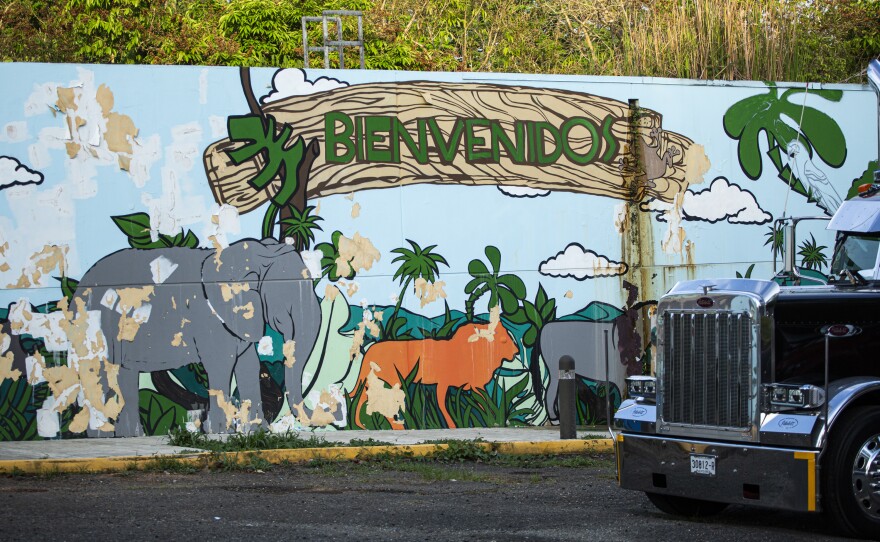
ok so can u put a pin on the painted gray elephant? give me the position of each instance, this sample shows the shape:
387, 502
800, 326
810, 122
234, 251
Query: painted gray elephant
585, 342
165, 308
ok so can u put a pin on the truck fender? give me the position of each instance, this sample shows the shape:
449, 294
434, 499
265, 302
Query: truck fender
843, 393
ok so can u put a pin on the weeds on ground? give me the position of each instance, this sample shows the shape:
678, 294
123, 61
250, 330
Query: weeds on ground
257, 440
165, 464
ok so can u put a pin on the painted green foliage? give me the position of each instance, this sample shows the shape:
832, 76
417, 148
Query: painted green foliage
259, 135
747, 119
136, 227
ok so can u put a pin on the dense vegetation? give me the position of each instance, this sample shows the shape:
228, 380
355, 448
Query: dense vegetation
804, 40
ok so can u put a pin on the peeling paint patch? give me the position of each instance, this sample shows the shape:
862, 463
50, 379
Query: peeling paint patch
351, 288
6, 359
231, 289
428, 292
322, 415
356, 254
42, 263
312, 259
247, 310
218, 251
177, 340
235, 417
698, 164
569, 294
386, 401
161, 269
288, 350
35, 366
330, 292
265, 347
134, 300
356, 210
48, 419
488, 332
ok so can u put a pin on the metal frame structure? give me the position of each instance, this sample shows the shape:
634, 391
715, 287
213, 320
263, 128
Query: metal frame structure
339, 43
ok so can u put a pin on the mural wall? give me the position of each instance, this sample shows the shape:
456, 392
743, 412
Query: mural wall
223, 250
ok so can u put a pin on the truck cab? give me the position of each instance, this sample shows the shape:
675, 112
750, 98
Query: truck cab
764, 394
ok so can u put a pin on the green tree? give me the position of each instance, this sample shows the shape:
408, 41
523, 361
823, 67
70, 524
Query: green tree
416, 262
507, 289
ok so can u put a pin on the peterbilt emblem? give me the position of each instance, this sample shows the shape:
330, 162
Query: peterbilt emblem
638, 412
705, 302
840, 330
788, 423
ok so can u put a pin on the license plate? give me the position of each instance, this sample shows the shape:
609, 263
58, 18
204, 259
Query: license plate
703, 464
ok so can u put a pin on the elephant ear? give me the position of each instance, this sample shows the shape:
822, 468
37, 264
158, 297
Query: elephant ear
231, 281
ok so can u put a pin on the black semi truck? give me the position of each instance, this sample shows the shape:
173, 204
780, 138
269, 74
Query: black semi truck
764, 394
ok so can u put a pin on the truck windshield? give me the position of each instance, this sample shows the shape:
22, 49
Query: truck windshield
857, 252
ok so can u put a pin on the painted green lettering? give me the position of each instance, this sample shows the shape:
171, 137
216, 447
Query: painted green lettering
377, 131
472, 141
541, 142
517, 152
420, 150
445, 148
611, 143
565, 134
332, 138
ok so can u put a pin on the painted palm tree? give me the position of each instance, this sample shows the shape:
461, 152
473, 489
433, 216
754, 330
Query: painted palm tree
813, 254
818, 133
508, 290
301, 226
416, 262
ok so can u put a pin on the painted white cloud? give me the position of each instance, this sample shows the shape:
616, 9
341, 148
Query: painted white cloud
523, 191
293, 82
580, 263
721, 201
13, 172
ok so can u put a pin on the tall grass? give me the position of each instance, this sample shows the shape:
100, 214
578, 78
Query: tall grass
710, 39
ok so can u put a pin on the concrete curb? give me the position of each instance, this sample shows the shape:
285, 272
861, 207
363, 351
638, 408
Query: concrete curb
340, 453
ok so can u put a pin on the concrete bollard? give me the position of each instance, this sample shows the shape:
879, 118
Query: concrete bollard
567, 395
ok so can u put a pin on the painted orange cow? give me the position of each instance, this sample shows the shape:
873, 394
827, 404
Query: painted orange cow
469, 358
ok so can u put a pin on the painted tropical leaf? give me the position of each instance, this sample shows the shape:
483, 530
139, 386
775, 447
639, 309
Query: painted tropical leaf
748, 118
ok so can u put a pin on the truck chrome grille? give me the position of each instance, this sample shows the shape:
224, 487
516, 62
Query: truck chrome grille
706, 368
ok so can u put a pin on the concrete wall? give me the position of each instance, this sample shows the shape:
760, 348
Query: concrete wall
444, 239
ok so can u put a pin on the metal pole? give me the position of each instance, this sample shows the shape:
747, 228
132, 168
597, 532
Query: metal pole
566, 397
607, 389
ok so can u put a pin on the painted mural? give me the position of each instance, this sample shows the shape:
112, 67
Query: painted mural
220, 249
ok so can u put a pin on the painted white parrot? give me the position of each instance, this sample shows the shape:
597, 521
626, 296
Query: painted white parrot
813, 178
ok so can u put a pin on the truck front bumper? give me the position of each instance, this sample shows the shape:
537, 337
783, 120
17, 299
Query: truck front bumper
781, 478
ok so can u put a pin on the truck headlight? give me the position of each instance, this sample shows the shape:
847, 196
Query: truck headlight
787, 396
641, 388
